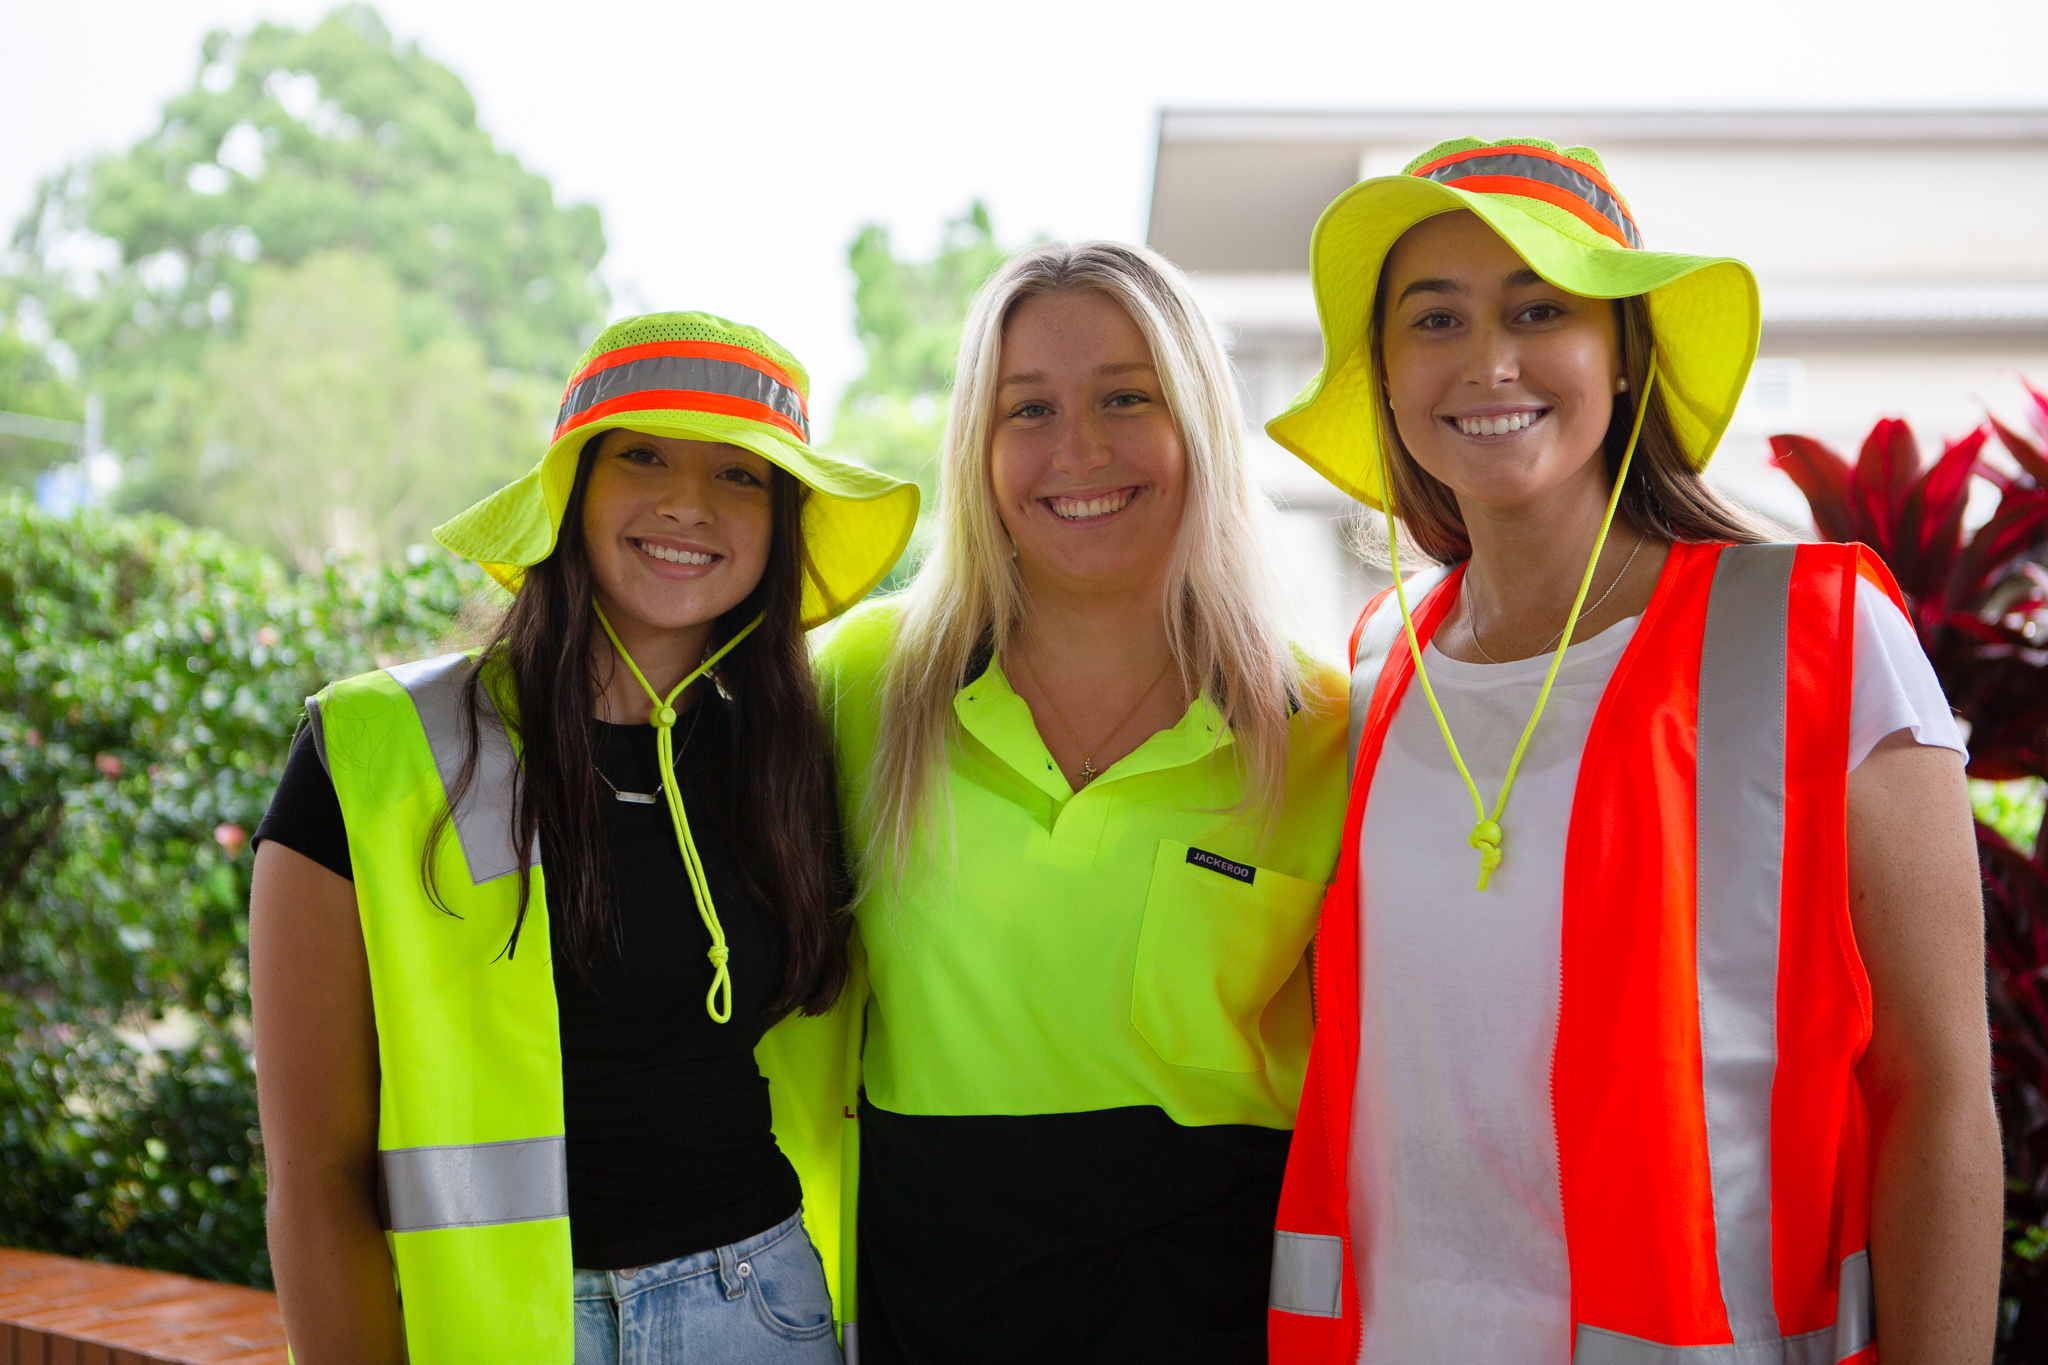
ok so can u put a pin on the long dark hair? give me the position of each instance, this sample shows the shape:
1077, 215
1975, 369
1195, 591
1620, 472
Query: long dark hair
1665, 497
783, 812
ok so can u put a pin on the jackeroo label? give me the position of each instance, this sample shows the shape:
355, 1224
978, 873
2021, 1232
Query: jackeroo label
1241, 871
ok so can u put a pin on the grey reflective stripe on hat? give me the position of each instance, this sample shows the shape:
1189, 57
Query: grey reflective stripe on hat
483, 817
687, 374
1382, 631
1854, 1330
1308, 1274
475, 1185
1526, 167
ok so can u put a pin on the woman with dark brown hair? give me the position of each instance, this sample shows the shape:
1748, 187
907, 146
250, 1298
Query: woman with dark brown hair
529, 925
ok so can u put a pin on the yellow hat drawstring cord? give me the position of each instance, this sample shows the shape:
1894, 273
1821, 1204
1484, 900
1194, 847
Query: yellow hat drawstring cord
717, 1000
1485, 835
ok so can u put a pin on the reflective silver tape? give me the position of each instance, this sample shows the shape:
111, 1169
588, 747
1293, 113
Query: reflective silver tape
1377, 640
849, 1347
476, 1185
483, 818
319, 734
1308, 1274
1550, 173
1739, 876
699, 374
1855, 1311
1598, 1347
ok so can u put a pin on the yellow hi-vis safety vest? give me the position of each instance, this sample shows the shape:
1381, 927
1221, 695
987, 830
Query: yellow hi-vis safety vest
470, 1137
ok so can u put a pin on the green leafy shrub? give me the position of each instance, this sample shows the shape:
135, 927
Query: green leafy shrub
151, 677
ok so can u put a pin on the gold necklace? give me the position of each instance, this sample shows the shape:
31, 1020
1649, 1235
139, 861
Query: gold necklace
1472, 623
1088, 771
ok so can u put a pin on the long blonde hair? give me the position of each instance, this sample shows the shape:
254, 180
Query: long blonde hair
1225, 607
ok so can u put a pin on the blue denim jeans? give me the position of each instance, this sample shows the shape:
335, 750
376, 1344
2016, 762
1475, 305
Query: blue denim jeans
759, 1301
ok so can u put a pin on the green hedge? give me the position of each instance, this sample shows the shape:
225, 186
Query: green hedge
151, 677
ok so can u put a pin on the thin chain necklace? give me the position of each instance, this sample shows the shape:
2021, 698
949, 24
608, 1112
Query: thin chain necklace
1088, 770
645, 798
1473, 623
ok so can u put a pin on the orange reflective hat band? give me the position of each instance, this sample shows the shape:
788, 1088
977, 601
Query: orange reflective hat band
1539, 173
702, 376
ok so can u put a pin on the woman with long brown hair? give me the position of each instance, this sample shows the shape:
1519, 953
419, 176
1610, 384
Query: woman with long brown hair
1651, 980
529, 925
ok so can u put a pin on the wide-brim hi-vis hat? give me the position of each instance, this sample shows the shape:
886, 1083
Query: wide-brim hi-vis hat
1560, 213
700, 378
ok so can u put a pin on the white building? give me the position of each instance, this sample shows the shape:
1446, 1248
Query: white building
1902, 259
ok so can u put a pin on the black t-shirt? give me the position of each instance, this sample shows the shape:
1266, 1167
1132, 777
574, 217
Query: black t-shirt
669, 1148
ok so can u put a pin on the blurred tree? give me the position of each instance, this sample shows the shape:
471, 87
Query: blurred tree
289, 144
909, 315
30, 384
343, 420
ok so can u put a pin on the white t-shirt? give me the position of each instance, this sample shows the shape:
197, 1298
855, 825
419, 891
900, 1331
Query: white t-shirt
1456, 1220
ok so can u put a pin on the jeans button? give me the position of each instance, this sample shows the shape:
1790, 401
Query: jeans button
745, 1270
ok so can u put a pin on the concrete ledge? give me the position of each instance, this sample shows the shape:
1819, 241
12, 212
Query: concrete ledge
58, 1311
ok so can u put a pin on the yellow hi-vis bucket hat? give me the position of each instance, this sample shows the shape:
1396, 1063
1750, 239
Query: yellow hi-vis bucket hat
1559, 212
700, 378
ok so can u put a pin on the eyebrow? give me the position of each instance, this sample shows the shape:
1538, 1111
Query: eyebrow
1524, 276
1039, 376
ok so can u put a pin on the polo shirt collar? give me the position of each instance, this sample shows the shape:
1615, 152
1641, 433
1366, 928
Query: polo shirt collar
991, 711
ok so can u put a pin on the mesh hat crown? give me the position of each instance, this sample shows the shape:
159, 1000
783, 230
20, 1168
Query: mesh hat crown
1561, 214
698, 377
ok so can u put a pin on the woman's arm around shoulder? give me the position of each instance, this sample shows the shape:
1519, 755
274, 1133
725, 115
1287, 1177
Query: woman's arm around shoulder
316, 1085
1937, 1202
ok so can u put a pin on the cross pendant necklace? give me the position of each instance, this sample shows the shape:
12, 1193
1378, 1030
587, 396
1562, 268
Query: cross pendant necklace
1088, 771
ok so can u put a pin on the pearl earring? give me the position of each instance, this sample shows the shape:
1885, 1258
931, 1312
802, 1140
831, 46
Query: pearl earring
1621, 384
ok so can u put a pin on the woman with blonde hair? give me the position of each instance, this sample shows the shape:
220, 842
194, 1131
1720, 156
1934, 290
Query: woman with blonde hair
1093, 792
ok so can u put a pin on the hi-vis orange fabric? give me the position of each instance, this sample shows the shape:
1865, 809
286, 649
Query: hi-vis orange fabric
1713, 1145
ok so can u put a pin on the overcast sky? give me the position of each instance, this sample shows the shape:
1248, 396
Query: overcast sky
735, 148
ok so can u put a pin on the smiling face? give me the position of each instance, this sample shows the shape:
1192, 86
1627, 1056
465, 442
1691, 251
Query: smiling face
1502, 384
1088, 471
677, 531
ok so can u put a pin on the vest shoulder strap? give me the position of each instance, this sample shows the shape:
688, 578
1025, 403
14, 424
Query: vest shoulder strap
1372, 639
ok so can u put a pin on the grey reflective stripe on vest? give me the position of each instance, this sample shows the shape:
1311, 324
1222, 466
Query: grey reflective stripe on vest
1381, 633
483, 818
697, 374
1550, 173
319, 729
477, 1185
1739, 875
1854, 1330
1308, 1274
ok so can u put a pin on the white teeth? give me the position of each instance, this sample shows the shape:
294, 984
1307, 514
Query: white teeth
673, 556
1496, 426
1080, 509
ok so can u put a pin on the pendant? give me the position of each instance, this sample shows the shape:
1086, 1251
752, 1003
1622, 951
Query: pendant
635, 798
1087, 771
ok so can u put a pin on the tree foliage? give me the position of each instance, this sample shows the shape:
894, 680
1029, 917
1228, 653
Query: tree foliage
151, 677
909, 315
331, 426
290, 145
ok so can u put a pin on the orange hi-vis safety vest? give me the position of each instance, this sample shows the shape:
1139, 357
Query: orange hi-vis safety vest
1713, 1146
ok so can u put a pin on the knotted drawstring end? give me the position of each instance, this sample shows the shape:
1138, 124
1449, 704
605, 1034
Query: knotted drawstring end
1485, 837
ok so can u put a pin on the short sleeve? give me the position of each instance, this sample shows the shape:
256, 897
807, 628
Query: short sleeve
305, 813
1895, 687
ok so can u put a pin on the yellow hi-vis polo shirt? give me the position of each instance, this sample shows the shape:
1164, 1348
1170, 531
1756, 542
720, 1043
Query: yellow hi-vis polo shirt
1140, 942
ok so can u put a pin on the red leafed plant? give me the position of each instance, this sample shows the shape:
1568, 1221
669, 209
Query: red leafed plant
1981, 608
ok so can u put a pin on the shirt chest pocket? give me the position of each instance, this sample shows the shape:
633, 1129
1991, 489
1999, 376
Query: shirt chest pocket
1218, 942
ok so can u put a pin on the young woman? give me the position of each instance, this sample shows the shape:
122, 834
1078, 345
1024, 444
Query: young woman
521, 919
1652, 976
1099, 797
